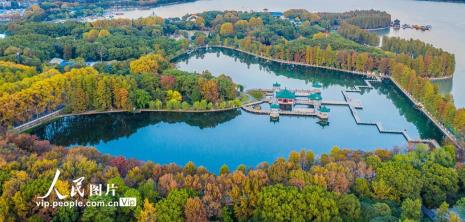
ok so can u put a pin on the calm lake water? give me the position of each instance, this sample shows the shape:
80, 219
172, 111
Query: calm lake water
447, 19
238, 137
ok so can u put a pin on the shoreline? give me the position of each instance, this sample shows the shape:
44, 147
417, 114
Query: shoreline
366, 74
377, 29
441, 78
58, 114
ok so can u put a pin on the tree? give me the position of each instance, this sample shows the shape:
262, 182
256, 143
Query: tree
227, 29
147, 190
404, 180
148, 213
224, 169
151, 63
411, 209
443, 213
361, 187
103, 33
101, 213
200, 22
167, 82
310, 204
349, 207
440, 184
142, 98
171, 209
173, 95
209, 90
194, 210
91, 35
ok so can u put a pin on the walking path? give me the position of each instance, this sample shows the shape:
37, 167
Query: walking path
59, 114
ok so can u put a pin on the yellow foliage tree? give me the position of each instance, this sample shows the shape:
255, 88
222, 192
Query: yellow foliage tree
103, 33
91, 35
227, 29
150, 63
174, 95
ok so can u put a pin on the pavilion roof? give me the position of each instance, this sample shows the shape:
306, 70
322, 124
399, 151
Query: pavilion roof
285, 94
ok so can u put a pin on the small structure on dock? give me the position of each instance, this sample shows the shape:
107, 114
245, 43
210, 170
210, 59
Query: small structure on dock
274, 114
276, 86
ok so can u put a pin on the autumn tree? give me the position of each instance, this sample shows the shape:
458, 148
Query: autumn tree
194, 210
151, 63
227, 29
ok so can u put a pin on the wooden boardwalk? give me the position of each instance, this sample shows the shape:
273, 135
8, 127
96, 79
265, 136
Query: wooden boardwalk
379, 125
38, 121
296, 112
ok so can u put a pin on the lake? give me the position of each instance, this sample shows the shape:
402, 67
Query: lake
446, 18
236, 137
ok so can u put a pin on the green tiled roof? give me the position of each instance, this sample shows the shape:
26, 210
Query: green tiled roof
274, 106
285, 94
315, 96
324, 109
276, 84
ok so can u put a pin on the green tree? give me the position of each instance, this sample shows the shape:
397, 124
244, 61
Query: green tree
440, 184
101, 213
171, 209
142, 98
411, 209
349, 207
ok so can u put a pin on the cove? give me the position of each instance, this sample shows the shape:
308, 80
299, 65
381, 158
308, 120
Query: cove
236, 137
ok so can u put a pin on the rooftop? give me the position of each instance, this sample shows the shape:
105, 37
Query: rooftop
315, 96
324, 109
274, 106
285, 94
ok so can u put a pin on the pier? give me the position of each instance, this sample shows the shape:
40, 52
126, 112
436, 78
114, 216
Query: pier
430, 142
302, 98
38, 121
296, 112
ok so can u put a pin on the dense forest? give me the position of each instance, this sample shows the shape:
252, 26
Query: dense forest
343, 185
357, 34
151, 84
365, 19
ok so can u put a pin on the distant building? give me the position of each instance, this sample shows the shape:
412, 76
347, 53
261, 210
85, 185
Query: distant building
276, 86
56, 61
277, 14
5, 4
396, 24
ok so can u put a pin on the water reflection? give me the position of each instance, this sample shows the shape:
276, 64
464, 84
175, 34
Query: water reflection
94, 129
